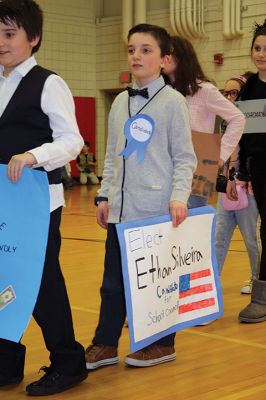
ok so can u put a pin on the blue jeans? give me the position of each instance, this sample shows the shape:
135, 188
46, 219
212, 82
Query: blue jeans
113, 307
246, 219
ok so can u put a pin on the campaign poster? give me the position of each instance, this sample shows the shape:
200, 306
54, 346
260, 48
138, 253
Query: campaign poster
170, 275
24, 224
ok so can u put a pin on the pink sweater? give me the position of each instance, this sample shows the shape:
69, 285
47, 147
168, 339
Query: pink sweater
205, 105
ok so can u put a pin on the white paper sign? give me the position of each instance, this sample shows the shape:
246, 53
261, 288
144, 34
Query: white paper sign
255, 113
170, 275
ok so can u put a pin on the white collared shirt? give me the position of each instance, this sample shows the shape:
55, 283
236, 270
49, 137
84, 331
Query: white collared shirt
57, 103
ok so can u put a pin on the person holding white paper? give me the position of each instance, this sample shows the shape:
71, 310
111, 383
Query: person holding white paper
245, 218
148, 171
253, 168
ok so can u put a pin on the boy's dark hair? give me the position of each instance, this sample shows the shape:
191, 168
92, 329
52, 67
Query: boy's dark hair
87, 143
188, 73
159, 34
258, 31
25, 14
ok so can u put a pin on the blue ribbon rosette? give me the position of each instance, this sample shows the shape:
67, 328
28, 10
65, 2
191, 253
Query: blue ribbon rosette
138, 131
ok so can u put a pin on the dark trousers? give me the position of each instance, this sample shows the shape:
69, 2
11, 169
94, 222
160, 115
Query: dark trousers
258, 180
53, 314
113, 309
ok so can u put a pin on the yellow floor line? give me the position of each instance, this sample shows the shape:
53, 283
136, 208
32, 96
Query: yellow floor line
86, 310
244, 393
197, 332
225, 339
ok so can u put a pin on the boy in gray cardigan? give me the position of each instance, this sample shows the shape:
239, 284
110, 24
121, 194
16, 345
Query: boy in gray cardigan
148, 172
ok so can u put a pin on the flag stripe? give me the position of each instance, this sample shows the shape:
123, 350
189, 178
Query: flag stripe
196, 305
196, 297
200, 274
197, 289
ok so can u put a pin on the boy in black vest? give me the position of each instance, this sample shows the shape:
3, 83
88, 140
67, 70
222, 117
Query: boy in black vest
38, 129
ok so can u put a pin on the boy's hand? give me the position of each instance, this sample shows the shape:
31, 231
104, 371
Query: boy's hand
178, 211
17, 163
102, 214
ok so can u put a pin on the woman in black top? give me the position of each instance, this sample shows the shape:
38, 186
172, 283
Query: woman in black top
252, 159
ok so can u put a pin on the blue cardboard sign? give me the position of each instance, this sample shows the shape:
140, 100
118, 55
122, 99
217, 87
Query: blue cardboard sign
24, 224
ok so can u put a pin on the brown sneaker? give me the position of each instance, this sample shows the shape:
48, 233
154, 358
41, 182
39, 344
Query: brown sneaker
98, 355
151, 355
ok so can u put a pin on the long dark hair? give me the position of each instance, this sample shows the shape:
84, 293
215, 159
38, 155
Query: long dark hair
188, 73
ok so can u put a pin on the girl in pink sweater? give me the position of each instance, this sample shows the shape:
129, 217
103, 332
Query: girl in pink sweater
205, 102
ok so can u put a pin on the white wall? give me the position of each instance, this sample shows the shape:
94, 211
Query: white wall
69, 43
89, 53
236, 52
111, 52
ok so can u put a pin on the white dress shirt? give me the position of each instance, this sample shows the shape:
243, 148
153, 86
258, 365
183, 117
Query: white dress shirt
57, 103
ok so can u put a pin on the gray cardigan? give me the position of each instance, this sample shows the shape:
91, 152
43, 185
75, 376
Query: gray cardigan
166, 172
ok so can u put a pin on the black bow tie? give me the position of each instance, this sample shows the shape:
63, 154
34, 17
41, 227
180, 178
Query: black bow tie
140, 92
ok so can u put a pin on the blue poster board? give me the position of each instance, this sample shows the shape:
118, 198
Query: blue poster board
170, 275
24, 224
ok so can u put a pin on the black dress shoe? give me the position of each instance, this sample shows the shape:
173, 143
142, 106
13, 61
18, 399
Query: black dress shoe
54, 382
10, 380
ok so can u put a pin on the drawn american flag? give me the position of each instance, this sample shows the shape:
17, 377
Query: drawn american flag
196, 291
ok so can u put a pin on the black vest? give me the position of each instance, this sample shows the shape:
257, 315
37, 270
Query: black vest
23, 124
